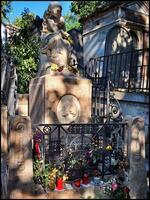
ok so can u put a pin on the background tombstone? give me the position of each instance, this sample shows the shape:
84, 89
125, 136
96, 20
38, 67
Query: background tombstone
4, 151
128, 120
137, 173
20, 157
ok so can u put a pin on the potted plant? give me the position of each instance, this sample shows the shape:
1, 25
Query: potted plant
52, 178
77, 182
37, 169
85, 179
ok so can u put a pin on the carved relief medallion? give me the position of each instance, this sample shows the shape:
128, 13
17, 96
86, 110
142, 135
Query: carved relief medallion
68, 109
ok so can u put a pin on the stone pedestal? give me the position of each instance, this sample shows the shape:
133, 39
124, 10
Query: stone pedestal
60, 99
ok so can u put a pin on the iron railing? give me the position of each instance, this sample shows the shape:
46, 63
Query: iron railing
57, 139
129, 70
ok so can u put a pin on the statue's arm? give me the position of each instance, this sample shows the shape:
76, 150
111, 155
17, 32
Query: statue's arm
52, 25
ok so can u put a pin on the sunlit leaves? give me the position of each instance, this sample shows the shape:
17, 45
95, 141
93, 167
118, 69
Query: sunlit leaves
24, 49
5, 9
85, 8
71, 21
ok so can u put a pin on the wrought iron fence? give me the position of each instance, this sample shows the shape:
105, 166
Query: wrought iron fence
57, 140
129, 70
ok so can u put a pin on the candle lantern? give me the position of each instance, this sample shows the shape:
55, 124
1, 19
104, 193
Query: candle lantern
85, 179
60, 184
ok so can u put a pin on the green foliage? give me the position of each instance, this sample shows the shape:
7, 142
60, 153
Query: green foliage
71, 21
5, 9
26, 20
85, 8
24, 49
37, 168
41, 175
46, 178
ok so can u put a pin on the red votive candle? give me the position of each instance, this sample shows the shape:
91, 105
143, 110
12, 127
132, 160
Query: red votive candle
59, 184
77, 183
85, 179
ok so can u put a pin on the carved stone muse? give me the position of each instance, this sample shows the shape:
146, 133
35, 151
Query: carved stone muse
55, 49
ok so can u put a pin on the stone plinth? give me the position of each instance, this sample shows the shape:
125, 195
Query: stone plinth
20, 157
60, 99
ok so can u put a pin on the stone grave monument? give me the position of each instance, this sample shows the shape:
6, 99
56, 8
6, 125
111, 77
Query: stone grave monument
58, 94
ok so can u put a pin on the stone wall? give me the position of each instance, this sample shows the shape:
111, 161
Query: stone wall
95, 31
134, 104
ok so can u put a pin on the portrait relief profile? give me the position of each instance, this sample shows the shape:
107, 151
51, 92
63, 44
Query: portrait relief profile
68, 109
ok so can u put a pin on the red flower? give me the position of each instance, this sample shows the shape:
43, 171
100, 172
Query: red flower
60, 69
37, 149
114, 186
126, 190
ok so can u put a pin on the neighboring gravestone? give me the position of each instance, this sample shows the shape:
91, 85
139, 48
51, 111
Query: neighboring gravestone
127, 131
20, 157
4, 151
60, 99
137, 173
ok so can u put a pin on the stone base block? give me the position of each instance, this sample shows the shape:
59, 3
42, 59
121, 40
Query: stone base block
60, 99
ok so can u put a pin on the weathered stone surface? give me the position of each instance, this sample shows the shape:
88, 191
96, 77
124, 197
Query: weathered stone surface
137, 173
20, 157
127, 131
4, 152
4, 143
56, 49
47, 93
22, 104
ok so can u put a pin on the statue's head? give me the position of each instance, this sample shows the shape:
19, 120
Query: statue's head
55, 9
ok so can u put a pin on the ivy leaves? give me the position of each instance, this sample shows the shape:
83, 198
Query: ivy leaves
85, 8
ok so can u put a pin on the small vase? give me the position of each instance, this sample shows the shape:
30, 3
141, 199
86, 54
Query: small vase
60, 184
96, 181
77, 183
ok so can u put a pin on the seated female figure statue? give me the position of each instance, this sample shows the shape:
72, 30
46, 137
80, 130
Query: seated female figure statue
56, 51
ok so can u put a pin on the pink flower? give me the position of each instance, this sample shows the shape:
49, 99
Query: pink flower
114, 186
